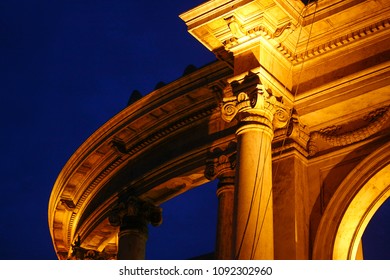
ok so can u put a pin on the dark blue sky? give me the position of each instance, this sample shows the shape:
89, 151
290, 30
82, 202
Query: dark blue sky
66, 67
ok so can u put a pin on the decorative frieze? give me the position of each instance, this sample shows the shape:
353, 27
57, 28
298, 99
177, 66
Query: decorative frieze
375, 120
336, 42
122, 148
239, 35
106, 171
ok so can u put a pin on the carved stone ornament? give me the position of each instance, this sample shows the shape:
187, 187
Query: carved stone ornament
279, 31
298, 131
221, 161
80, 253
235, 27
375, 121
248, 100
68, 204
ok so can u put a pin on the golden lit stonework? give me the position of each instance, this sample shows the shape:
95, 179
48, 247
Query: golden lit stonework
249, 101
292, 120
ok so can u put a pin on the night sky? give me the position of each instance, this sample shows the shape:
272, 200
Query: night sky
68, 66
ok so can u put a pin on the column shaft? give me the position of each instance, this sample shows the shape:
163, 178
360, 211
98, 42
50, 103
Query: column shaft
253, 221
221, 164
131, 245
224, 242
257, 112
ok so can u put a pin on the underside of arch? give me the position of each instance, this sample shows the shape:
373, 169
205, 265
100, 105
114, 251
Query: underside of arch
346, 217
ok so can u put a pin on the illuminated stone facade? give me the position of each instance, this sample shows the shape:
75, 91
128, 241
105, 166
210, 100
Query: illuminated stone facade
293, 120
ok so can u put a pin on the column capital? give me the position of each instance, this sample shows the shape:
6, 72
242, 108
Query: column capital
135, 210
221, 162
80, 253
247, 100
132, 216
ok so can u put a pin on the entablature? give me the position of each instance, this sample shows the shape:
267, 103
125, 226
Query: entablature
282, 35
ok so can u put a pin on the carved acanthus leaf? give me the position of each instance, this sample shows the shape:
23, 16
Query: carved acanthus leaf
250, 100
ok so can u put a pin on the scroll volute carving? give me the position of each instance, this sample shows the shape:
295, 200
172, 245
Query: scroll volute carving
250, 96
221, 161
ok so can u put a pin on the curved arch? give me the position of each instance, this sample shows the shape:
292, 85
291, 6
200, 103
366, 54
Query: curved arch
352, 206
116, 159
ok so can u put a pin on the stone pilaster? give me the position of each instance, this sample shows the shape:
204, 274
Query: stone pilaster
221, 165
258, 113
133, 216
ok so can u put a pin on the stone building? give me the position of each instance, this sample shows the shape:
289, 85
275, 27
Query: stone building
293, 120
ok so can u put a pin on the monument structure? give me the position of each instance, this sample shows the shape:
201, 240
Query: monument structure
293, 120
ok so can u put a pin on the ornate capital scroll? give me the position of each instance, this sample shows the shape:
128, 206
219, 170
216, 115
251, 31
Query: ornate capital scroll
135, 213
221, 162
249, 101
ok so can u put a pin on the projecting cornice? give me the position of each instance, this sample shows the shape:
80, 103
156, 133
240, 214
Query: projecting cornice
296, 31
227, 24
344, 40
130, 149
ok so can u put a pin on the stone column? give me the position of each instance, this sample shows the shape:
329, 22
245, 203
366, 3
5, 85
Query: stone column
133, 216
258, 113
221, 165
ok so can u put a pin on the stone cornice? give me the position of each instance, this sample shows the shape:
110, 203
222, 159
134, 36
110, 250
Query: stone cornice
132, 149
296, 31
289, 52
87, 193
344, 40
